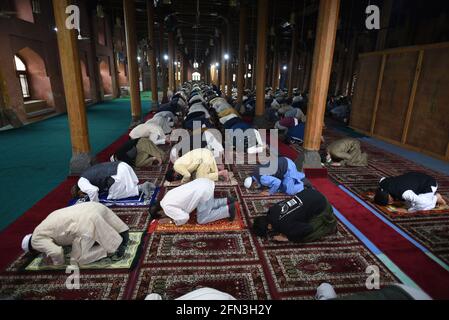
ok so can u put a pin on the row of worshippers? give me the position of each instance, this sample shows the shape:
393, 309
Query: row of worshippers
91, 229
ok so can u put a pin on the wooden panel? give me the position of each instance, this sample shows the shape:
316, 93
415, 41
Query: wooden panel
394, 99
365, 92
429, 126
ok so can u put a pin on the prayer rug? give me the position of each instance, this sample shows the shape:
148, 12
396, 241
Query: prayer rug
393, 212
243, 282
136, 218
197, 248
139, 201
132, 254
220, 183
193, 226
54, 287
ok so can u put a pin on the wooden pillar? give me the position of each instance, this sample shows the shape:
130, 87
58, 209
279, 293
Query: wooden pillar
163, 63
321, 71
276, 67
292, 67
129, 9
223, 64
262, 21
242, 41
171, 61
152, 54
73, 89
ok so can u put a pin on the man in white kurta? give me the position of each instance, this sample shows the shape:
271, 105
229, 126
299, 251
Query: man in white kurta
179, 202
118, 179
149, 130
165, 119
93, 230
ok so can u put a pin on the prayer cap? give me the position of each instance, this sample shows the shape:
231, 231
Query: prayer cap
26, 242
248, 182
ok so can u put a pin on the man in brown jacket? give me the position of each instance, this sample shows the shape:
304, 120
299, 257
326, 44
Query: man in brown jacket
346, 152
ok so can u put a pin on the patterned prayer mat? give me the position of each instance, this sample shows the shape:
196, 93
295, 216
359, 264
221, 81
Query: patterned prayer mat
244, 282
217, 226
54, 287
393, 212
193, 226
35, 263
139, 201
220, 183
363, 181
210, 247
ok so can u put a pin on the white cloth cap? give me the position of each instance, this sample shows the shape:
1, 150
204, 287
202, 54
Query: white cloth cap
248, 182
153, 296
26, 242
112, 158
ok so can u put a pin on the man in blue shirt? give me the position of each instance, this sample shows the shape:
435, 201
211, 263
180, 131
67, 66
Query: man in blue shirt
286, 179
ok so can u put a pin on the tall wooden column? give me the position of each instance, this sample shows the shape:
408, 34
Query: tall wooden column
276, 67
242, 66
171, 61
321, 71
223, 64
163, 63
129, 9
73, 89
152, 54
292, 67
262, 22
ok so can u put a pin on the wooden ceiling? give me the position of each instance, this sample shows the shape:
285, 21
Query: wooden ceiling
196, 23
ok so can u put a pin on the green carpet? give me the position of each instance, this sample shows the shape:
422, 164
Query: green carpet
35, 158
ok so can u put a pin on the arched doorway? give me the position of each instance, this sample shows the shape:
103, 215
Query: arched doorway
86, 81
34, 82
106, 79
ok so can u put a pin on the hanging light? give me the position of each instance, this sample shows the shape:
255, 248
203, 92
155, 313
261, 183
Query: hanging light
284, 68
226, 56
165, 57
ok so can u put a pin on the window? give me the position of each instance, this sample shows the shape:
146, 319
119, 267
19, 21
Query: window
196, 76
21, 71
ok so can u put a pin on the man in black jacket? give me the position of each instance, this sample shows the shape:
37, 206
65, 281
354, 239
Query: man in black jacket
306, 217
417, 189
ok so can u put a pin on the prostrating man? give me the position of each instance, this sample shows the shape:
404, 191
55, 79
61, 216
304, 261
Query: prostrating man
139, 152
116, 178
166, 120
417, 189
92, 229
200, 162
149, 130
306, 217
179, 202
286, 179
348, 152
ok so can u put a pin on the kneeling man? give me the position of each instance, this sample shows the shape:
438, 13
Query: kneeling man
286, 179
417, 189
346, 152
116, 178
92, 229
179, 202
306, 217
201, 162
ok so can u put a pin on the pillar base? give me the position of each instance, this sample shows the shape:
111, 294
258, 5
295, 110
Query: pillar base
154, 105
261, 123
312, 160
299, 162
80, 162
135, 122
